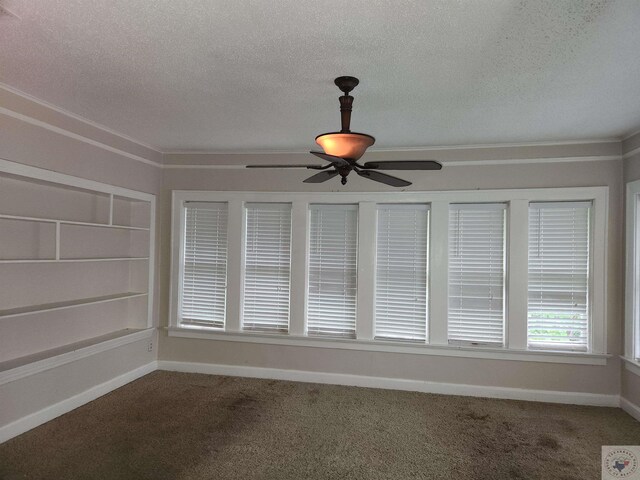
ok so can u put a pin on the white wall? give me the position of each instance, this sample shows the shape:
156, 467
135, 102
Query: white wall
476, 174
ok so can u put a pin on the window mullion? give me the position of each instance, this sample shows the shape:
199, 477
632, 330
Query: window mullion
517, 274
299, 267
235, 265
438, 276
177, 267
598, 283
365, 313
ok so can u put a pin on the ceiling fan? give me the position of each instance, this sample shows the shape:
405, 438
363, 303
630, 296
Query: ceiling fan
343, 149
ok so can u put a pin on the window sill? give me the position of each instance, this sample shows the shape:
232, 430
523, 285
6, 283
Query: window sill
491, 353
632, 365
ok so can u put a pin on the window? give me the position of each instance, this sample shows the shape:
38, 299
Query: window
558, 305
204, 271
476, 273
267, 267
632, 293
505, 274
333, 249
401, 272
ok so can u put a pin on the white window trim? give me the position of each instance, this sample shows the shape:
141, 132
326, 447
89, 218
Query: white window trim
492, 353
632, 365
515, 281
632, 297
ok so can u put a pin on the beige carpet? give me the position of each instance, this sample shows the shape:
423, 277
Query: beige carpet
188, 426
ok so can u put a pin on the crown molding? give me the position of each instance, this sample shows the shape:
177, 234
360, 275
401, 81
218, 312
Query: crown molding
75, 136
75, 116
68, 132
447, 163
631, 153
418, 149
404, 149
629, 135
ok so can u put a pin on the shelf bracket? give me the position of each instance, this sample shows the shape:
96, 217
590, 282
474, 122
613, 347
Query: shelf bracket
111, 209
57, 240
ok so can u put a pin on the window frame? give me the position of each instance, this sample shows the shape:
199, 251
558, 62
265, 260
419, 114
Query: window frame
590, 270
265, 206
477, 206
632, 278
517, 201
422, 207
181, 272
343, 207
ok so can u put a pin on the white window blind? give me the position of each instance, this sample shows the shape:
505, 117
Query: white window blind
476, 273
401, 272
204, 277
333, 247
558, 306
267, 269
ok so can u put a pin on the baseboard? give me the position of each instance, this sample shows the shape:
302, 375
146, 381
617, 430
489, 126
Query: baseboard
631, 408
575, 398
49, 413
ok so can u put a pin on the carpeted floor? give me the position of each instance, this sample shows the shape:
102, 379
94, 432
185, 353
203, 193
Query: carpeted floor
188, 426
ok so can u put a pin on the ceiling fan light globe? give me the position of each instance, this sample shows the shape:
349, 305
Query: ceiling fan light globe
345, 145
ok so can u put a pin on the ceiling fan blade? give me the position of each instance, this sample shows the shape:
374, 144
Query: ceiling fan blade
383, 178
321, 177
404, 165
340, 162
317, 167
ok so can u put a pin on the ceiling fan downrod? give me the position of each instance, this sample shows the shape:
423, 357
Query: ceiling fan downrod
346, 84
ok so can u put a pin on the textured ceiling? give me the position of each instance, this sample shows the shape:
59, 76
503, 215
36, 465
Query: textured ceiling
248, 75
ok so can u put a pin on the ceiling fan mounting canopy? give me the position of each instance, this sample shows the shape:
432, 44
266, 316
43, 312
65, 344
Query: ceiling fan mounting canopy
346, 84
343, 149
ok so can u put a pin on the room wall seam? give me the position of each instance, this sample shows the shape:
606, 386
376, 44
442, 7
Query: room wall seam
46, 414
632, 366
630, 407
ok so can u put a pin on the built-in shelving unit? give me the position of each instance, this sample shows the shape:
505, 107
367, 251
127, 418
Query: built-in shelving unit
75, 261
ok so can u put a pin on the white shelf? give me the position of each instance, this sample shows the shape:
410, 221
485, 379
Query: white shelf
74, 260
15, 369
48, 307
124, 227
70, 222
